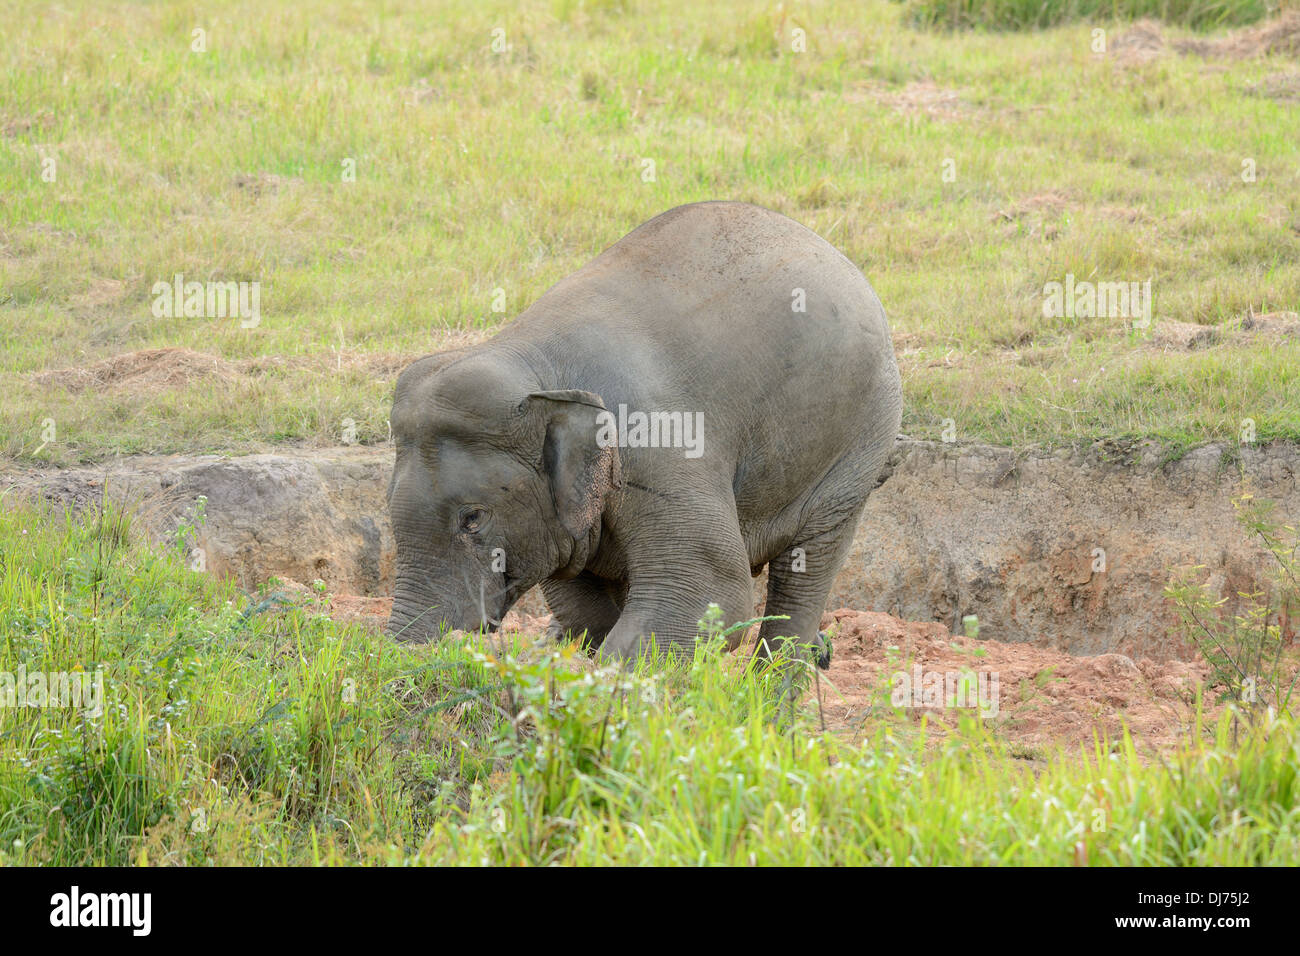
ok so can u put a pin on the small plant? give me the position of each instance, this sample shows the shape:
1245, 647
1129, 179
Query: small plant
187, 529
1247, 651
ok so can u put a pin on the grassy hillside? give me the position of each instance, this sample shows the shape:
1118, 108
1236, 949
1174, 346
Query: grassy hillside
962, 171
236, 729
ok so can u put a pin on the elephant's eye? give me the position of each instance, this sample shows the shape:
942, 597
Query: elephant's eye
472, 520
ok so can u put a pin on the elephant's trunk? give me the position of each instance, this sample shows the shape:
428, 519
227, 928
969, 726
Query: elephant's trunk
422, 610
419, 614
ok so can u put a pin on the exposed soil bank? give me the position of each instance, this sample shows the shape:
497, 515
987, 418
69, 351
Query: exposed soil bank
1068, 549
297, 514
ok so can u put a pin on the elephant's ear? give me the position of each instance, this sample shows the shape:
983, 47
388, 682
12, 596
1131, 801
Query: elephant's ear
582, 468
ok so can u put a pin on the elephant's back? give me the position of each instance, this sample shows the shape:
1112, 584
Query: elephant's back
722, 258
732, 309
728, 277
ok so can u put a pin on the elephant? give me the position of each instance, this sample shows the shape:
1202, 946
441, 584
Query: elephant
714, 393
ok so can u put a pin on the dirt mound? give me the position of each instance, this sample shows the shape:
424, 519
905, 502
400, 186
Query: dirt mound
1041, 697
100, 293
148, 370
164, 368
1141, 42
152, 370
1279, 36
1039, 214
255, 184
1272, 323
918, 98
23, 125
1053, 203
1284, 87
1145, 41
926, 98
1172, 335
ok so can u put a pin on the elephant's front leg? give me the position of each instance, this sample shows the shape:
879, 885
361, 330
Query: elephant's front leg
584, 605
672, 581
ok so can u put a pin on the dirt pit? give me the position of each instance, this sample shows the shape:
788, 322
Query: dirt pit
1063, 554
1069, 548
1038, 699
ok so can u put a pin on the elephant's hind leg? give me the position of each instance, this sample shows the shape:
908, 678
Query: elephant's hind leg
798, 583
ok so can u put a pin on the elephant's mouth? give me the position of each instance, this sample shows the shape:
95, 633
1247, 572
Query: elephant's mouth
512, 589
481, 605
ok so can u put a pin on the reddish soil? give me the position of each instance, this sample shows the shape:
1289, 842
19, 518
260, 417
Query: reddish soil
1045, 698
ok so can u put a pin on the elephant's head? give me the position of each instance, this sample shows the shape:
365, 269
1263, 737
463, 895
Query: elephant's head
497, 486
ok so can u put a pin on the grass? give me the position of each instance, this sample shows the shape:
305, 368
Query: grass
240, 729
1036, 14
961, 171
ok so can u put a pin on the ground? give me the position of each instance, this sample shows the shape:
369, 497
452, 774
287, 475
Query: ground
1049, 700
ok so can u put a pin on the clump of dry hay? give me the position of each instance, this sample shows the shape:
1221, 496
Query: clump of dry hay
1278, 86
1141, 42
155, 370
1173, 335
148, 370
1279, 36
255, 184
1272, 323
1144, 41
919, 98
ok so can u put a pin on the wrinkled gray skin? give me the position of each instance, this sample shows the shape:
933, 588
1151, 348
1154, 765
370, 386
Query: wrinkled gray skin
694, 311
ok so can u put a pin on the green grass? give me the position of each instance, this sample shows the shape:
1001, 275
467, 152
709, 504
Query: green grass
479, 171
1031, 14
241, 729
